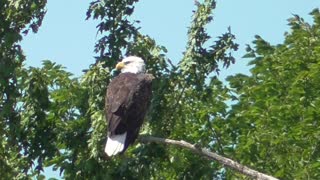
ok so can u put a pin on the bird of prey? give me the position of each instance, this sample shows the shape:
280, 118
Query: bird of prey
127, 100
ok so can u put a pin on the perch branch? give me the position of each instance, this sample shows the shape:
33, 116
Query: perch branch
210, 155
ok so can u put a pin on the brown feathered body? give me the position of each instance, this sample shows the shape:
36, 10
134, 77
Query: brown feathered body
127, 100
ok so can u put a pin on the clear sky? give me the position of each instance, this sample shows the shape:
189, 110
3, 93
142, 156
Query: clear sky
66, 38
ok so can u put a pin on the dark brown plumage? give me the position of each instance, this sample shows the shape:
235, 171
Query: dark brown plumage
127, 100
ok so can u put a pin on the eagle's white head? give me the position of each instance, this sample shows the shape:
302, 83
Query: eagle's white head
131, 64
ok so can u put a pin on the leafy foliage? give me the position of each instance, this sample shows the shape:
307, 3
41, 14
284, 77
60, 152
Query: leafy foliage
14, 18
119, 30
276, 117
49, 118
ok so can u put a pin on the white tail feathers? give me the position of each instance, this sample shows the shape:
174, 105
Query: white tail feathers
115, 144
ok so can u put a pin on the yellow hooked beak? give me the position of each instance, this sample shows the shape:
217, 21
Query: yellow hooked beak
120, 65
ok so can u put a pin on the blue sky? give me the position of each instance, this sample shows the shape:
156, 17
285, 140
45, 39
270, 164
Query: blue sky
66, 38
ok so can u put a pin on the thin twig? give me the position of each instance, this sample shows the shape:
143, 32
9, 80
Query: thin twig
218, 141
170, 62
210, 155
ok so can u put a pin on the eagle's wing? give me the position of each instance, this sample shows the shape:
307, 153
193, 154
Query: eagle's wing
127, 100
117, 94
119, 100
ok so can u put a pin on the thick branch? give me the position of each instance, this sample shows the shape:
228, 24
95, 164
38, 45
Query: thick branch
210, 155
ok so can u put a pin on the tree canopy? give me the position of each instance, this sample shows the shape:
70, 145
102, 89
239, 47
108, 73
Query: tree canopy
277, 110
267, 120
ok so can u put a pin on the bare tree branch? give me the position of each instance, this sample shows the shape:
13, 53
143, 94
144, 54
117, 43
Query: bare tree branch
210, 155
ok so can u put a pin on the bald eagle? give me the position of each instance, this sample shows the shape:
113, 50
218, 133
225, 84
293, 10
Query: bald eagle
127, 100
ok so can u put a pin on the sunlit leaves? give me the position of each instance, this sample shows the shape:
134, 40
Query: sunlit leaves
276, 115
95, 81
200, 60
